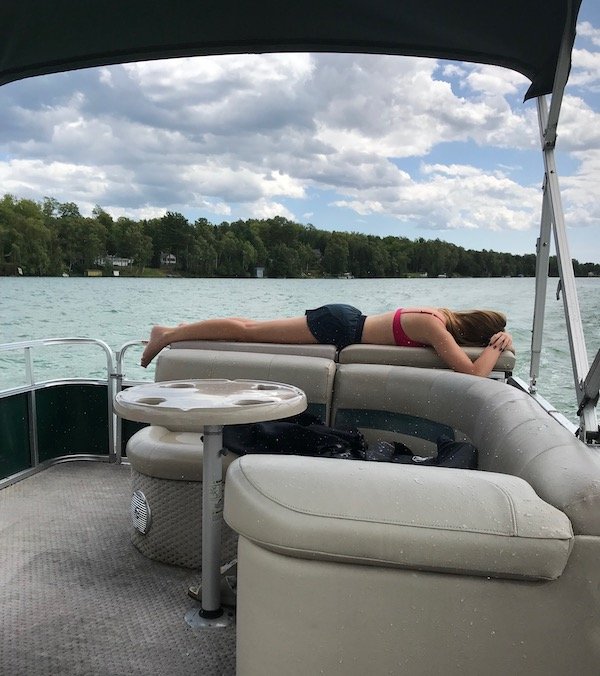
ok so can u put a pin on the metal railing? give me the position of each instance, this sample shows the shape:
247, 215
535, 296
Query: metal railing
118, 386
32, 386
114, 383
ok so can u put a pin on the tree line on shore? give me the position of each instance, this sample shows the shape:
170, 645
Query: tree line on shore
52, 238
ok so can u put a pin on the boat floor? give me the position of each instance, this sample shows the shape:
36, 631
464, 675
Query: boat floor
76, 597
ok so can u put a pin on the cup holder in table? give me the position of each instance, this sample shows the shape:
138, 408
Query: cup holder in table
254, 402
151, 401
180, 386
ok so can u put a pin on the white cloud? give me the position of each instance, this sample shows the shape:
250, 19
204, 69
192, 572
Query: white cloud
493, 81
143, 213
23, 177
454, 197
263, 208
579, 126
580, 191
586, 30
586, 69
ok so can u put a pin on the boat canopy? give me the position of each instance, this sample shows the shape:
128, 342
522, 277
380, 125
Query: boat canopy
39, 37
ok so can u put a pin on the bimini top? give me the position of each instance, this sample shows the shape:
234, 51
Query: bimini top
38, 36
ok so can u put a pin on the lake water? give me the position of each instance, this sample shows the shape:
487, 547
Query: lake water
118, 310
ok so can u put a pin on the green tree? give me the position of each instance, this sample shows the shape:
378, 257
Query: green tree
24, 237
284, 262
172, 234
231, 256
336, 257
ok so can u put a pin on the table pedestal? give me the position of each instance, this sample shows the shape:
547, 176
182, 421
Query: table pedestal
211, 613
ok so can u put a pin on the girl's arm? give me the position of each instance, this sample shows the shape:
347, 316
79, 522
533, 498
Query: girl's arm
448, 349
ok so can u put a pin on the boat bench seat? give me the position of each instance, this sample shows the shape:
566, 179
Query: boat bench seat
508, 553
422, 357
166, 464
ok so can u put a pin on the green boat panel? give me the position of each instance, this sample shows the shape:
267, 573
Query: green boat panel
72, 419
15, 454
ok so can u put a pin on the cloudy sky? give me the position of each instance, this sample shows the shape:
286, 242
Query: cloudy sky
379, 145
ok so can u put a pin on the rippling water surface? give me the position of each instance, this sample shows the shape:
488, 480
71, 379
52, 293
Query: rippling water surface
118, 310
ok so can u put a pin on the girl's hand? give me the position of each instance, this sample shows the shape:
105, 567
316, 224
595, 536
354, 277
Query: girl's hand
501, 341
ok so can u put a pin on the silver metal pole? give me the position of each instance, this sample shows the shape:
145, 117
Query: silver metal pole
117, 378
212, 514
211, 613
541, 285
34, 448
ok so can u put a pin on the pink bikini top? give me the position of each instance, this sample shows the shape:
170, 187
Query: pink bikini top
400, 337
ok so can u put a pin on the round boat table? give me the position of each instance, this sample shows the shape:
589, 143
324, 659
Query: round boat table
205, 406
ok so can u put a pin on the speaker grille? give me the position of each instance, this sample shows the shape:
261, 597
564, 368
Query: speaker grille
141, 516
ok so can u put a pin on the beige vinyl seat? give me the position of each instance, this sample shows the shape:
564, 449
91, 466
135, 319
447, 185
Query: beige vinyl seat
166, 464
347, 567
419, 357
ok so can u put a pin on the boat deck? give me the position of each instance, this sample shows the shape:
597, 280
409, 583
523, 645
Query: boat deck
77, 598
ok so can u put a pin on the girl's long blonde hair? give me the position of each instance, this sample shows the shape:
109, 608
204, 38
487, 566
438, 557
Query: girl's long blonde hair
473, 328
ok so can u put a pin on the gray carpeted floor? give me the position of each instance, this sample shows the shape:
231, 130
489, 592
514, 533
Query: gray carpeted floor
76, 598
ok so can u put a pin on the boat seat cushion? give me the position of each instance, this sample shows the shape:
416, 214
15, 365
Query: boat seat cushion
308, 350
425, 518
422, 357
164, 454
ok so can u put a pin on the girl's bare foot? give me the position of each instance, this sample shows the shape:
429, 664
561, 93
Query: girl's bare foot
158, 340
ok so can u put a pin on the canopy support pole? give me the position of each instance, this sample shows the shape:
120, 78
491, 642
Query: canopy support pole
553, 205
553, 218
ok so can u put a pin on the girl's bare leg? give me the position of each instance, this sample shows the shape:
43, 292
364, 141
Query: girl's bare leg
292, 330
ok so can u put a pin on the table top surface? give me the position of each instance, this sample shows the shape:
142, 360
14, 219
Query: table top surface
192, 404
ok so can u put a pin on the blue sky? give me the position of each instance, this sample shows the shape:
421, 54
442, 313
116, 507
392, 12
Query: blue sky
380, 145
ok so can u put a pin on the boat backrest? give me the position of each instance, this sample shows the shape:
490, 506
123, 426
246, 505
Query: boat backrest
512, 433
313, 375
386, 404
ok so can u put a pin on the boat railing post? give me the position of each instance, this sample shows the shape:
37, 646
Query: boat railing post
118, 386
118, 377
591, 389
117, 421
32, 409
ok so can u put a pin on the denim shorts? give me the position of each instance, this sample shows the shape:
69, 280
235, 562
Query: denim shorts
337, 324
